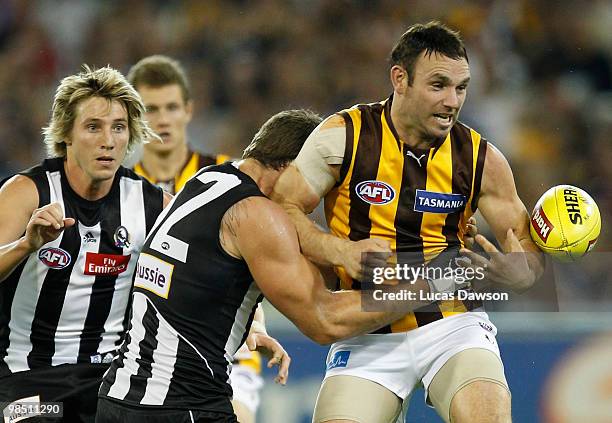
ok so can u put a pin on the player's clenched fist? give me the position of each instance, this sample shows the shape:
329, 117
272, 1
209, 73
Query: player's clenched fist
358, 264
45, 225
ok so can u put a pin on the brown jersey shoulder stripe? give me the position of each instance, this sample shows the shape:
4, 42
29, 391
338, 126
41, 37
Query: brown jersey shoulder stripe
348, 149
368, 153
418, 177
414, 176
369, 147
482, 153
462, 163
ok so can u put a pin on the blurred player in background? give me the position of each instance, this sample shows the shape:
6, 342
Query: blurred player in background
404, 175
165, 91
71, 230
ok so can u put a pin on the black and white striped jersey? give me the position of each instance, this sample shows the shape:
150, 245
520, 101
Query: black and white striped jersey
66, 303
193, 303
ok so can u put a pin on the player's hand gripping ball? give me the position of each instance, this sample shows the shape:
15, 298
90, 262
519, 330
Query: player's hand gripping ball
565, 223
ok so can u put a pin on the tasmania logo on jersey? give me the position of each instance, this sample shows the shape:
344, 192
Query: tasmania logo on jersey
54, 257
105, 264
437, 202
376, 193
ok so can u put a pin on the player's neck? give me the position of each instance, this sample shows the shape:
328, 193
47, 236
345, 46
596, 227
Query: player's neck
83, 185
264, 177
164, 165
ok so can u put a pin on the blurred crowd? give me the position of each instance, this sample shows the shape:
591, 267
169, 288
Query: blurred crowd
541, 85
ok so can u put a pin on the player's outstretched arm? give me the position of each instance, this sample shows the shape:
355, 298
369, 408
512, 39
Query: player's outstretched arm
300, 189
264, 236
23, 227
505, 213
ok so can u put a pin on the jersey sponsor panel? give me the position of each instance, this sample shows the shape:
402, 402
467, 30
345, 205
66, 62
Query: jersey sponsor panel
105, 264
437, 202
154, 275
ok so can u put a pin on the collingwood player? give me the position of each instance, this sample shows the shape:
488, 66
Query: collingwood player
165, 90
71, 230
194, 295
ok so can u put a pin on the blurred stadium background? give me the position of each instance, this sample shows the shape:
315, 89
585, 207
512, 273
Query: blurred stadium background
541, 91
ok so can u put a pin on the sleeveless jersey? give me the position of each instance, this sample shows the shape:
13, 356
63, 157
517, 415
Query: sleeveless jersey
418, 200
195, 162
193, 302
66, 303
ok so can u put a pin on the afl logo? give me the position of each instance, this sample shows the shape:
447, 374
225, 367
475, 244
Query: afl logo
375, 192
54, 257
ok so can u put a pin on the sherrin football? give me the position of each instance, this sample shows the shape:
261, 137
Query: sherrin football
565, 223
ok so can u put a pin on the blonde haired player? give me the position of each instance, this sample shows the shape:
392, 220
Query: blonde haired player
71, 230
403, 175
164, 87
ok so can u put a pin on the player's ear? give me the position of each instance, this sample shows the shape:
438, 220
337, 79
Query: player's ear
189, 109
399, 78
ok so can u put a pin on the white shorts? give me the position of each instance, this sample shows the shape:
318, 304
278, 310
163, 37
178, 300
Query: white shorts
402, 361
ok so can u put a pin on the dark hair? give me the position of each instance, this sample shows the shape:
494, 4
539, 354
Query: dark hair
433, 37
158, 71
281, 138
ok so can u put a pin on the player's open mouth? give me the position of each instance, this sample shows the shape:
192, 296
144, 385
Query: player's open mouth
105, 160
443, 118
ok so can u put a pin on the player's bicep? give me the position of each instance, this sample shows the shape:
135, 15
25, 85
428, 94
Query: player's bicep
268, 243
18, 199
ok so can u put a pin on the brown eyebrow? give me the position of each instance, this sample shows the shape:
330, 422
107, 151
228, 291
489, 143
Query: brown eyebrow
96, 120
446, 80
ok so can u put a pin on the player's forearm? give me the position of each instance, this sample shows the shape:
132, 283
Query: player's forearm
11, 255
342, 314
320, 247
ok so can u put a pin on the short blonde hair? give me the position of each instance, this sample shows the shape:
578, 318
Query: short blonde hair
107, 83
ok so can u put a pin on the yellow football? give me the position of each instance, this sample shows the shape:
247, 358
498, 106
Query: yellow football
565, 223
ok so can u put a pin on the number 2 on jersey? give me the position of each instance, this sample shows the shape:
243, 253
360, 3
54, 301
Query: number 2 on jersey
174, 247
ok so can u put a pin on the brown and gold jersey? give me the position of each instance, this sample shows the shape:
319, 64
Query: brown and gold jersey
195, 162
418, 200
